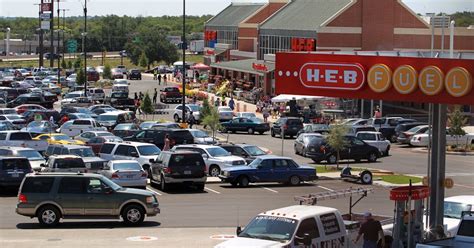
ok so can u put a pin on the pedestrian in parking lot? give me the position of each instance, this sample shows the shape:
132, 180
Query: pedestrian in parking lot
159, 79
231, 103
140, 96
191, 119
165, 79
372, 231
217, 102
154, 96
135, 97
166, 146
155, 73
265, 114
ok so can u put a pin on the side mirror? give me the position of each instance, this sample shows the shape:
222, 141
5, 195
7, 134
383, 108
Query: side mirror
108, 190
42, 165
205, 156
153, 160
134, 154
305, 240
238, 230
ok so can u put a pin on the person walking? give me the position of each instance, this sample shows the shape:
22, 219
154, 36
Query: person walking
165, 80
231, 103
265, 114
191, 119
135, 97
140, 96
372, 231
166, 146
155, 95
217, 102
159, 79
377, 112
155, 73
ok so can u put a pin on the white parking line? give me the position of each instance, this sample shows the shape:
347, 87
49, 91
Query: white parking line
154, 191
328, 189
271, 190
214, 191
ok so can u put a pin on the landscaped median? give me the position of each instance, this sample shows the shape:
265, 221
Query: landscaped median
381, 177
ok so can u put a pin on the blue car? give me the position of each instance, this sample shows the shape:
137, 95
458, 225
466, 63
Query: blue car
268, 168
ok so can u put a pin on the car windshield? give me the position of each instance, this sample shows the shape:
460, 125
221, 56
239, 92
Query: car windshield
84, 111
366, 136
107, 118
31, 155
125, 127
111, 184
147, 125
217, 152
60, 137
254, 150
126, 166
112, 139
227, 109
255, 163
71, 95
414, 129
82, 116
149, 150
83, 152
120, 95
36, 124
199, 134
270, 228
455, 209
194, 108
13, 117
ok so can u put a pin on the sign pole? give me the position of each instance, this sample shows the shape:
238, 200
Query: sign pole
41, 61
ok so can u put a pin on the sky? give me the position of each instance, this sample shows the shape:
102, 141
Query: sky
26, 8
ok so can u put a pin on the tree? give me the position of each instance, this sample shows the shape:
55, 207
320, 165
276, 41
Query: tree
69, 64
457, 121
212, 121
107, 74
81, 77
336, 140
77, 63
143, 60
205, 109
146, 106
63, 64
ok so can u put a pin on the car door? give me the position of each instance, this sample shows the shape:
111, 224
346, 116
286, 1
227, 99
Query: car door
264, 172
71, 195
98, 201
122, 152
309, 227
358, 148
281, 170
299, 143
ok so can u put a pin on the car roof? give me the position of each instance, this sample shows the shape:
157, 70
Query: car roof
122, 161
17, 148
180, 152
299, 212
63, 174
69, 146
273, 157
132, 143
198, 146
65, 156
467, 199
371, 132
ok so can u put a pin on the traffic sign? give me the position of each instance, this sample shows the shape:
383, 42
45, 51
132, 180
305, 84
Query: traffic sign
45, 25
448, 183
71, 46
45, 16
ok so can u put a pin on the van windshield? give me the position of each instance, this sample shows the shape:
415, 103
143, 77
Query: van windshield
270, 228
454, 209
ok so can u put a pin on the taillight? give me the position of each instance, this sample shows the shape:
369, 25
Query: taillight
115, 176
144, 174
167, 170
22, 198
285, 126
322, 149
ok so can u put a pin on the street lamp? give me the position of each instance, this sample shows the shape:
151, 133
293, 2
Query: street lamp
183, 46
84, 43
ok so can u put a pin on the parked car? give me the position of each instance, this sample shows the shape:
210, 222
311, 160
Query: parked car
6, 126
201, 137
33, 156
92, 162
21, 139
134, 74
268, 168
86, 136
111, 119
289, 126
225, 113
215, 157
243, 124
353, 130
126, 173
169, 125
92, 75
148, 124
404, 137
179, 167
125, 130
58, 139
462, 140
13, 170
30, 99
38, 127
26, 107
96, 94
64, 163
73, 128
30, 115
178, 112
375, 139
42, 195
303, 141
157, 137
245, 151
7, 111
170, 94
16, 120
400, 128
144, 153
97, 142
356, 149
314, 128
120, 100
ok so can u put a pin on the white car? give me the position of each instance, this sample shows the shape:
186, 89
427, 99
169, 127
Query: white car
32, 155
422, 139
50, 87
86, 136
120, 82
453, 208
215, 157
246, 115
73, 128
71, 97
178, 112
225, 113
126, 173
71, 80
201, 137
375, 139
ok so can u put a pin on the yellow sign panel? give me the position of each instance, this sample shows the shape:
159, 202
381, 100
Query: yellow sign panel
458, 82
430, 80
379, 78
405, 79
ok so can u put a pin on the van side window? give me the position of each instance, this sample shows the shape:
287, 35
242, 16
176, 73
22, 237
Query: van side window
37, 185
3, 136
330, 223
122, 150
20, 136
308, 226
107, 148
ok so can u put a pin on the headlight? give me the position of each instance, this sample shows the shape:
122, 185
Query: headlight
88, 165
238, 162
312, 149
226, 173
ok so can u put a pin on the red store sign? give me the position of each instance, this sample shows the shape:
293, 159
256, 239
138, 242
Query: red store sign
303, 44
45, 7
259, 67
404, 79
210, 35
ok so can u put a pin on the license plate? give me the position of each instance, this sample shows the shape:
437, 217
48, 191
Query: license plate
129, 176
187, 172
15, 174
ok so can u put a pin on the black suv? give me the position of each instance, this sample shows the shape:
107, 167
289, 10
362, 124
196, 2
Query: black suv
290, 126
52, 196
134, 74
13, 170
31, 99
157, 137
245, 151
179, 167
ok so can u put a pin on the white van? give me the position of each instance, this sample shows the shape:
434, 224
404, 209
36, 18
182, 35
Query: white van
294, 226
120, 88
96, 94
73, 128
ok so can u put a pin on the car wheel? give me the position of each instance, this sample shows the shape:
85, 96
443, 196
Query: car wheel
366, 177
243, 181
214, 171
200, 187
176, 118
332, 159
234, 184
133, 214
48, 216
250, 130
372, 157
387, 152
261, 132
294, 180
163, 184
272, 133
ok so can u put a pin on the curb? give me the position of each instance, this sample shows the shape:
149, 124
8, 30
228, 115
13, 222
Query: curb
423, 150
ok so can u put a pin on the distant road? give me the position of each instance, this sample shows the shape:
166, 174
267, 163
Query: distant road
67, 56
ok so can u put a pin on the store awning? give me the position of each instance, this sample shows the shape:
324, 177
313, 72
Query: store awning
253, 66
200, 66
286, 98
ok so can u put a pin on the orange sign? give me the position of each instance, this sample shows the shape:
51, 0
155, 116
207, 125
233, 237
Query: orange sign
303, 44
343, 76
260, 67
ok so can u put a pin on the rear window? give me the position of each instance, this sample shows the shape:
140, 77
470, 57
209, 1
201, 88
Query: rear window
20, 136
294, 122
172, 89
182, 135
82, 122
127, 166
69, 163
107, 148
186, 160
18, 164
37, 185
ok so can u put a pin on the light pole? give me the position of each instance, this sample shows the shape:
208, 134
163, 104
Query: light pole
40, 32
184, 63
84, 47
7, 43
57, 49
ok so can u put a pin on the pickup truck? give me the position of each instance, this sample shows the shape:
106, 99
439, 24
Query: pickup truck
464, 237
296, 226
375, 139
120, 100
22, 139
170, 94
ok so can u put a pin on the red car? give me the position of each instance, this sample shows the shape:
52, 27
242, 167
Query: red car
96, 143
25, 107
